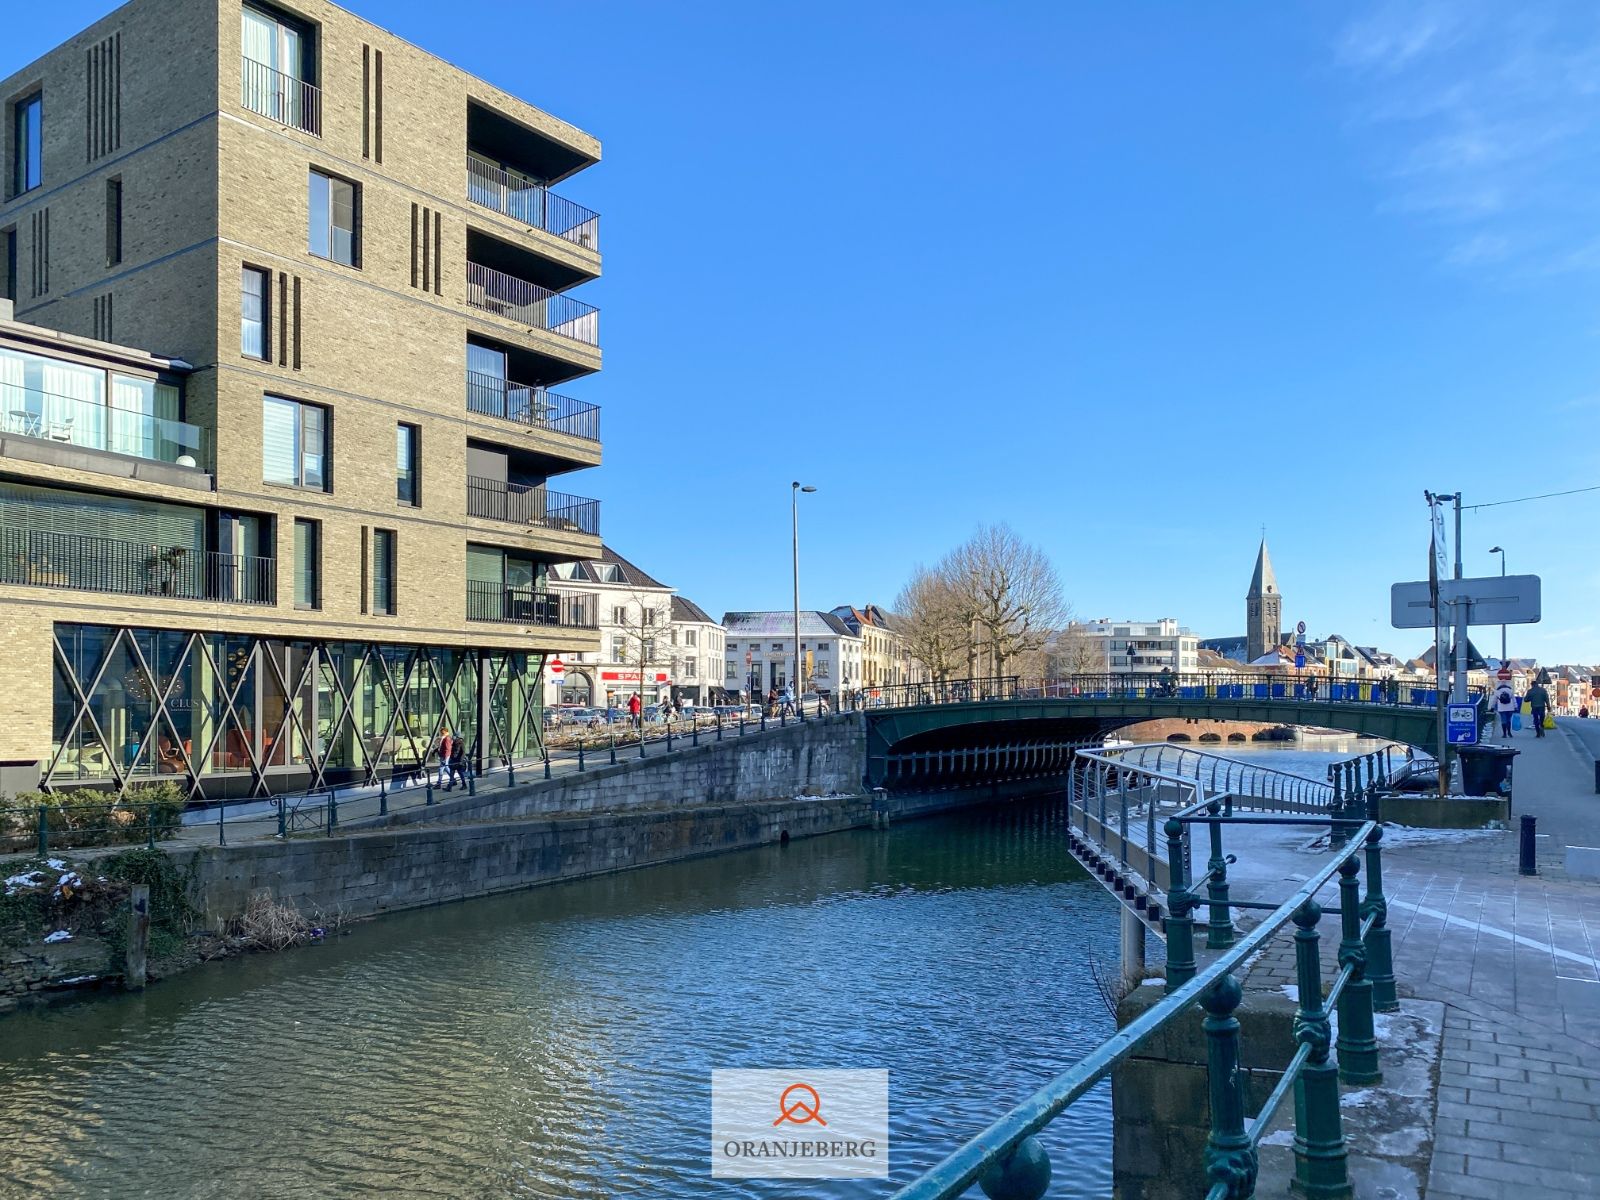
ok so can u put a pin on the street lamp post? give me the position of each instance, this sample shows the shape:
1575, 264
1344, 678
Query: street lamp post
1502, 554
795, 489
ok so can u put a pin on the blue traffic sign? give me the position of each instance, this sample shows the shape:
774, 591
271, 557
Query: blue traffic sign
1461, 725
1299, 661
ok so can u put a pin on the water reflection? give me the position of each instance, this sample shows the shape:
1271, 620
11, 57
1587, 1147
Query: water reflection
559, 1042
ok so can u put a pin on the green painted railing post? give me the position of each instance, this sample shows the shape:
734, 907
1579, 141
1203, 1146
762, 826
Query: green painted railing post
613, 747
1320, 1160
1230, 1155
283, 818
1179, 923
44, 831
1380, 956
150, 828
1337, 834
1358, 1045
580, 754
1219, 932
333, 810
547, 764
1024, 1174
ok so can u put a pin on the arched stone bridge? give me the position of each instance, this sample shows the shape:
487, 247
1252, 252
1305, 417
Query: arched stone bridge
965, 730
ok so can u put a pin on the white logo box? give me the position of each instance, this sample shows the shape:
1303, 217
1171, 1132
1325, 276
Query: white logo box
798, 1123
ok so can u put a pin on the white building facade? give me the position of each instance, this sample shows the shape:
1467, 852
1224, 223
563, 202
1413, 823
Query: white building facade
636, 653
759, 653
1139, 647
698, 654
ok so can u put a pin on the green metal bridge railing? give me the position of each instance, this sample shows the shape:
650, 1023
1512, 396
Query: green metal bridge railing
1007, 1160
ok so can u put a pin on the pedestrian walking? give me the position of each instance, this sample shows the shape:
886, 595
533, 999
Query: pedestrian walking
1538, 700
446, 742
1505, 703
458, 763
635, 707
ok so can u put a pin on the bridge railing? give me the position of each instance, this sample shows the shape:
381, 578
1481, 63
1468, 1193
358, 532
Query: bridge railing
1240, 686
1007, 1158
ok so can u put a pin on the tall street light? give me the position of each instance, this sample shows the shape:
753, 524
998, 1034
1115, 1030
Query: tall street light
1502, 554
794, 512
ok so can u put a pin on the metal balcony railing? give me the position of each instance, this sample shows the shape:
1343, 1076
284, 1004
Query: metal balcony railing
532, 406
94, 564
524, 199
529, 606
95, 425
282, 98
529, 304
529, 504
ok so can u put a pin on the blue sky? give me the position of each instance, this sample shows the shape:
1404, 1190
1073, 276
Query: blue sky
1138, 279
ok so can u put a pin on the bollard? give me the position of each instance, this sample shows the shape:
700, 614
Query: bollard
511, 773
669, 737
1320, 1160
1219, 931
472, 781
135, 961
222, 833
150, 828
1230, 1153
383, 800
283, 816
547, 764
641, 741
580, 754
763, 720
719, 727
613, 747
1380, 956
1358, 1045
1526, 864
333, 810
1180, 925
428, 796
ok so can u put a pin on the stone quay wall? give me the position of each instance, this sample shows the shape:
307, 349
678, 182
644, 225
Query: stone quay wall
824, 757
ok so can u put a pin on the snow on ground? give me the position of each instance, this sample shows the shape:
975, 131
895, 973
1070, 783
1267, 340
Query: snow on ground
60, 935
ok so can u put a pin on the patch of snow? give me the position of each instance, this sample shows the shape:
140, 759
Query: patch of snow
829, 796
1281, 1137
79, 979
28, 879
71, 879
1365, 1098
1152, 983
1291, 990
60, 935
55, 864
1409, 835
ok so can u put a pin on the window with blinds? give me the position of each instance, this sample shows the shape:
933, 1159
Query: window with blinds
294, 443
383, 572
85, 514
253, 308
307, 563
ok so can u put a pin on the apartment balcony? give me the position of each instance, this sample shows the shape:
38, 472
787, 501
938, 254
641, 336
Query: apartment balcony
529, 202
71, 561
528, 304
281, 98
532, 505
95, 425
532, 407
529, 606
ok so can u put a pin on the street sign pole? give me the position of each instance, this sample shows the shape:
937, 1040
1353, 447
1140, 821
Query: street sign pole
1458, 693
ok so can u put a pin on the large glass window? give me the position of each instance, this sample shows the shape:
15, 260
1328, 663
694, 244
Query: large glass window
294, 443
383, 572
408, 480
307, 563
254, 285
335, 219
27, 144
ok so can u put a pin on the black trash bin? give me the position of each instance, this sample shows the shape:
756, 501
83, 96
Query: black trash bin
1486, 770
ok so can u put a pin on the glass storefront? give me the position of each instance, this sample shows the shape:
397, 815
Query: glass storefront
237, 714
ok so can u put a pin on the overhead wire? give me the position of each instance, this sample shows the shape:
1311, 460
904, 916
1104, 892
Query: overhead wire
1525, 499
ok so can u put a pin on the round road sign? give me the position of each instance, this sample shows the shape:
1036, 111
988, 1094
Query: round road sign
1300, 628
1503, 675
556, 667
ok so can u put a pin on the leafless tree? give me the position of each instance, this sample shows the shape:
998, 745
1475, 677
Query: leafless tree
1078, 653
1012, 591
933, 624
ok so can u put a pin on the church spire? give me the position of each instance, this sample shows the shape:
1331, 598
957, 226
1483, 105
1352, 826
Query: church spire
1263, 582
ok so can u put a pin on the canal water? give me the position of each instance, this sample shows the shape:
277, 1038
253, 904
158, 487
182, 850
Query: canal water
559, 1042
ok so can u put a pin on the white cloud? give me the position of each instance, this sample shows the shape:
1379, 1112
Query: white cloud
1481, 120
